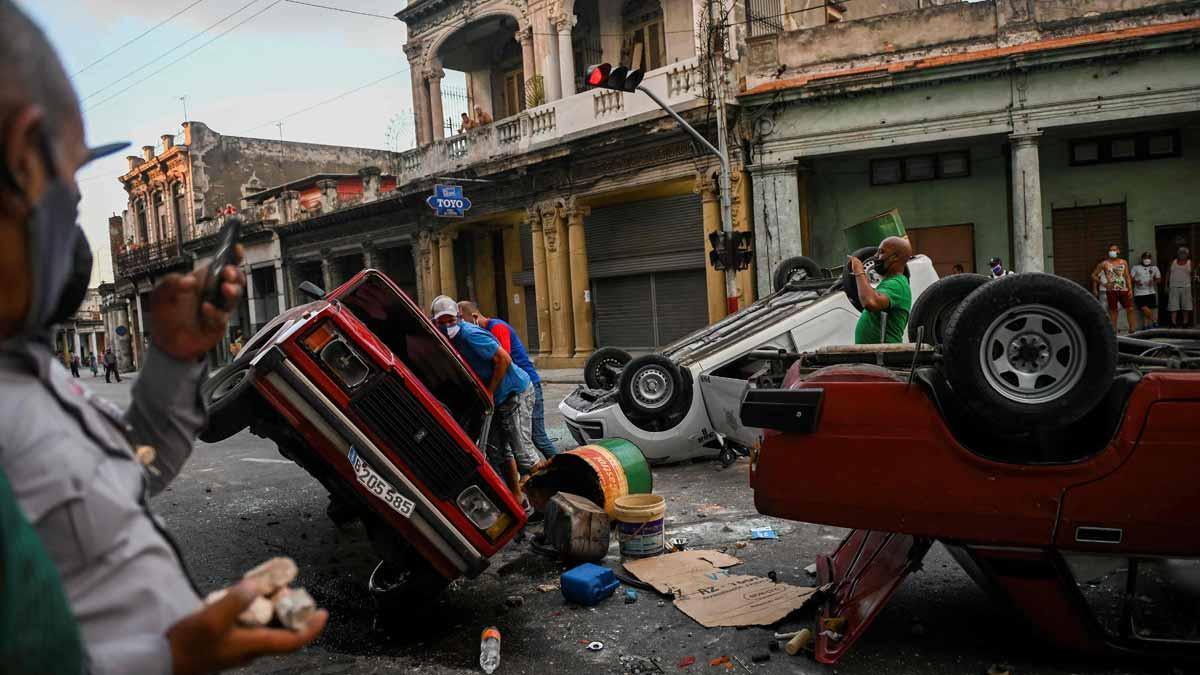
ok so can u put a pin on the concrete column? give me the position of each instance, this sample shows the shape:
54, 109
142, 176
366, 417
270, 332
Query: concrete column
513, 262
136, 339
558, 268
251, 296
1028, 235
541, 285
329, 194
428, 272
92, 340
581, 294
484, 273
566, 55
548, 63
78, 344
776, 198
290, 211
327, 279
369, 255
420, 98
714, 280
529, 71
370, 183
447, 282
435, 103
281, 285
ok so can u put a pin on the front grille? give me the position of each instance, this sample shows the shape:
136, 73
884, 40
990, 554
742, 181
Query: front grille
412, 433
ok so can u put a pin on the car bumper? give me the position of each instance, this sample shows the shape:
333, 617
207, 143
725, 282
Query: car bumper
342, 433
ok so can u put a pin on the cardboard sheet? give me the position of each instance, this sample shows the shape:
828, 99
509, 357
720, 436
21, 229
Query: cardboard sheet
707, 592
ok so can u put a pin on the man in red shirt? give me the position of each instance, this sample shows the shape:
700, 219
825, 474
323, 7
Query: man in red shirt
511, 342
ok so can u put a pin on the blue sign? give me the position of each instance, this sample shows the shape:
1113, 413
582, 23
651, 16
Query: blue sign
448, 201
121, 331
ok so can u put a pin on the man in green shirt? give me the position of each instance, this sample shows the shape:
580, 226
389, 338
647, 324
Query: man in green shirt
885, 307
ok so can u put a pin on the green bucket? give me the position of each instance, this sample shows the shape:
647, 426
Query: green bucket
874, 230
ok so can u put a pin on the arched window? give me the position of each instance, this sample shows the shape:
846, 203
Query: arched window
160, 211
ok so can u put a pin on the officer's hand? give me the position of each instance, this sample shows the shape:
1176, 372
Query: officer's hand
856, 265
210, 640
179, 325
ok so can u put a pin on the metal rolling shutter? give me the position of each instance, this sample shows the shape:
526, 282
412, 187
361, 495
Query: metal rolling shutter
634, 248
678, 309
622, 312
1082, 236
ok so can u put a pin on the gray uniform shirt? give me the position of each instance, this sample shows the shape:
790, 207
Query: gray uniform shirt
70, 459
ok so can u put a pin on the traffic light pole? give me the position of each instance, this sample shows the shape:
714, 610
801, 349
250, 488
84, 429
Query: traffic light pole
723, 182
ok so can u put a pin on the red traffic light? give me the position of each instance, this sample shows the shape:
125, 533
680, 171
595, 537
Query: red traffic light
597, 75
620, 78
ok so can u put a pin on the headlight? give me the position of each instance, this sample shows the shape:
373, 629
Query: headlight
478, 508
344, 363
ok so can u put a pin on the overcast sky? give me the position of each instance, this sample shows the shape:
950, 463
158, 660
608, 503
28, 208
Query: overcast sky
287, 58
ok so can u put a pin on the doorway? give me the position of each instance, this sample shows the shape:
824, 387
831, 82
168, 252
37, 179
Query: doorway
1082, 236
1167, 240
946, 246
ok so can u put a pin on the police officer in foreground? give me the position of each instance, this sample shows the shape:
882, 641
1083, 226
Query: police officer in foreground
80, 469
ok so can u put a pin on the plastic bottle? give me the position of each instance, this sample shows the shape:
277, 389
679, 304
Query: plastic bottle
489, 649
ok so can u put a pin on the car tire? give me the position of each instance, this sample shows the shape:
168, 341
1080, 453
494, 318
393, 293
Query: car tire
801, 267
850, 284
651, 386
1030, 349
597, 371
403, 576
229, 396
937, 304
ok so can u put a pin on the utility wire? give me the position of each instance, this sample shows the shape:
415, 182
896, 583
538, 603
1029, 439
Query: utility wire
135, 39
162, 56
216, 37
341, 9
329, 100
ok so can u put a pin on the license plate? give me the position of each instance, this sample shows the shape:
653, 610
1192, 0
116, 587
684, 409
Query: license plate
379, 487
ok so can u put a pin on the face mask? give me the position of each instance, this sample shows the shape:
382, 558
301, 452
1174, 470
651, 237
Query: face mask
1146, 262
450, 331
61, 258
998, 270
1113, 254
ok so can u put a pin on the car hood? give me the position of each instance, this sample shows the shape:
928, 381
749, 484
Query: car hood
264, 334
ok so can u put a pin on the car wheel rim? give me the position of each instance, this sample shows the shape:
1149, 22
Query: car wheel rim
229, 384
798, 274
1033, 354
603, 371
653, 387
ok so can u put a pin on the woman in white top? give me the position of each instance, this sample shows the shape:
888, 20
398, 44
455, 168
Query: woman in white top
1146, 280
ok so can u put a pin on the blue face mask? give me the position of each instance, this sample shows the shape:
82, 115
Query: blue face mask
998, 270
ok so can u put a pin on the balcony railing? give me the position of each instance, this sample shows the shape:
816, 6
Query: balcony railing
542, 126
140, 258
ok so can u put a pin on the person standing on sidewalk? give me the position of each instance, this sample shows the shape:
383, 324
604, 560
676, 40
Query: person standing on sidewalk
75, 366
110, 365
1113, 276
1179, 291
1146, 281
511, 342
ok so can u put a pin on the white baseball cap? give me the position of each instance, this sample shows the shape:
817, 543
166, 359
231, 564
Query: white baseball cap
444, 305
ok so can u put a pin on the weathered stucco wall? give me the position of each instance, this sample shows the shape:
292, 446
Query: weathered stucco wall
222, 165
841, 194
1155, 192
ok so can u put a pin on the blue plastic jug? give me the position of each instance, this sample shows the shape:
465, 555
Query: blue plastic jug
588, 584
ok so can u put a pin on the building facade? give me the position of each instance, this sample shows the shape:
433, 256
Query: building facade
1040, 132
178, 191
83, 334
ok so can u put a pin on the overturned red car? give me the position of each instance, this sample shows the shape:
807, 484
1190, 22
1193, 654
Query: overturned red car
361, 390
1057, 463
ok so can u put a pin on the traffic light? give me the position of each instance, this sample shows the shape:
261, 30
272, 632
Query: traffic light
731, 251
621, 78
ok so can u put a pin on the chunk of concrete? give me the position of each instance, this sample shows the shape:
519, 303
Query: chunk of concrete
273, 575
294, 608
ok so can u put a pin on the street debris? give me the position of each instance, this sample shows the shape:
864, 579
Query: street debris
631, 596
294, 607
640, 525
798, 642
739, 544
273, 575
676, 544
588, 584
547, 588
686, 662
763, 533
514, 601
290, 607
576, 528
595, 646
705, 591
489, 649
639, 665
743, 665
811, 570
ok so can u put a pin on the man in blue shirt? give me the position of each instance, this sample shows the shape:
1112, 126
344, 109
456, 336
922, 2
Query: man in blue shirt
511, 343
510, 388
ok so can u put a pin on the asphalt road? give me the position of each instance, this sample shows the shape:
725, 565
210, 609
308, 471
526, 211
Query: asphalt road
238, 502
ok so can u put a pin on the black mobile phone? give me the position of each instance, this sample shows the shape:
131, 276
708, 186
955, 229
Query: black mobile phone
227, 239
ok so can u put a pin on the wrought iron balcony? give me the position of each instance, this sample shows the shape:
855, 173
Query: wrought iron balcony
138, 259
